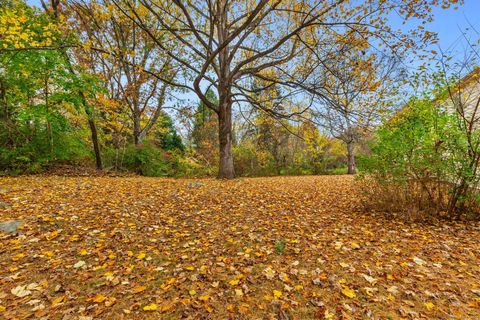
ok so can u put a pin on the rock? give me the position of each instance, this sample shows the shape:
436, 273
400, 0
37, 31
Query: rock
195, 184
10, 226
79, 264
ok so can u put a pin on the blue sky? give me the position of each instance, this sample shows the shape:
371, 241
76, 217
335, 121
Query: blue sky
449, 24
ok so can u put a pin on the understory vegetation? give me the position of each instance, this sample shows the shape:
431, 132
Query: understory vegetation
425, 160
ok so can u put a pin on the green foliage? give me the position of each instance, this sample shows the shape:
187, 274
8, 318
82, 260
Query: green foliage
41, 137
34, 128
427, 157
148, 160
167, 137
279, 246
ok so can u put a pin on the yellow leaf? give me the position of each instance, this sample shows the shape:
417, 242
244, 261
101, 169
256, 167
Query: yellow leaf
98, 298
277, 294
230, 308
429, 305
348, 292
83, 252
203, 298
192, 292
52, 235
150, 307
2, 308
141, 255
48, 253
139, 289
234, 282
58, 301
354, 245
190, 268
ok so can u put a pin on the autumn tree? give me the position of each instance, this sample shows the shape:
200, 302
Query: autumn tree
40, 97
226, 43
126, 52
223, 43
54, 11
357, 94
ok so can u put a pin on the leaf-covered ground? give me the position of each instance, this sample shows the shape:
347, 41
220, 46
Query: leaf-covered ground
264, 248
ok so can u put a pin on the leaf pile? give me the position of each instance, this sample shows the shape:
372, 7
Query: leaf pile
145, 248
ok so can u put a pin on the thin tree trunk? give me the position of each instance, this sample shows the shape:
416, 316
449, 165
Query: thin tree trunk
49, 125
226, 169
93, 129
137, 138
86, 107
352, 167
90, 116
96, 146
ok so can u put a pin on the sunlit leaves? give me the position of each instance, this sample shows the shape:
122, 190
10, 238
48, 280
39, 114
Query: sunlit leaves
150, 307
23, 27
309, 213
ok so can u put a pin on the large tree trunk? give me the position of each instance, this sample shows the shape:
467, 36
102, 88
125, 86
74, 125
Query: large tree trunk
352, 167
226, 169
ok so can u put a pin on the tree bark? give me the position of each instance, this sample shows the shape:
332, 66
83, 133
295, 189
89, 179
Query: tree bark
226, 169
93, 129
96, 145
137, 138
352, 167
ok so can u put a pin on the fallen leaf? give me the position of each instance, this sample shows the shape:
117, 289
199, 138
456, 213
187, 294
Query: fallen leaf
151, 307
20, 291
348, 292
277, 294
139, 289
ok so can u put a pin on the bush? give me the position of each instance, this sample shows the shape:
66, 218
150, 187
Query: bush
190, 167
424, 161
149, 160
39, 139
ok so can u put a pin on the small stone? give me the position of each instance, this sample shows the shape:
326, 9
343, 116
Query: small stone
195, 184
10, 226
419, 261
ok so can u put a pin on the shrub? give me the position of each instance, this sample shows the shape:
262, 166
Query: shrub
39, 139
190, 167
149, 160
424, 161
